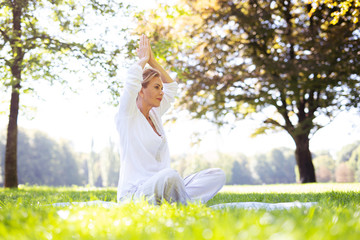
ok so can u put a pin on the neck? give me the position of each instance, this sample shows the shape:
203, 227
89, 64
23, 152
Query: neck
144, 108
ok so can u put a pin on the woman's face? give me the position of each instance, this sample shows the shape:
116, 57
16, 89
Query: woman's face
153, 93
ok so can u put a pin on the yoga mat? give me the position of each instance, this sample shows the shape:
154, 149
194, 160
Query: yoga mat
260, 205
243, 205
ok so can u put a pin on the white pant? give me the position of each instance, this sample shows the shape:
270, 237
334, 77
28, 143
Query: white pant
168, 185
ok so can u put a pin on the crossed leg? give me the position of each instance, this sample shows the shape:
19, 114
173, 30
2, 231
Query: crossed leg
168, 185
205, 184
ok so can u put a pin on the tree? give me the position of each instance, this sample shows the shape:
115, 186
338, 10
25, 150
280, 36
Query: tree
341, 8
345, 153
68, 168
325, 167
225, 161
344, 173
357, 173
187, 163
247, 56
277, 166
44, 161
110, 165
2, 157
284, 166
263, 169
36, 37
241, 173
323, 174
92, 158
350, 154
354, 162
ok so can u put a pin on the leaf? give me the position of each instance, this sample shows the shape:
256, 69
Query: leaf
259, 131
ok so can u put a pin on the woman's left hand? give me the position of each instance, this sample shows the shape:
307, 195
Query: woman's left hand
144, 51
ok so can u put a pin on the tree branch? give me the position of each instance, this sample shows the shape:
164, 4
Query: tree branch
285, 113
275, 123
6, 37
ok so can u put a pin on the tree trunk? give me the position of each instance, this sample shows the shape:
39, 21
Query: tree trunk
304, 159
11, 179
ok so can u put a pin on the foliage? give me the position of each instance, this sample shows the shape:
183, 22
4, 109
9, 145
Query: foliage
241, 174
354, 162
251, 61
275, 167
25, 215
324, 167
237, 58
344, 173
348, 159
54, 36
101, 169
357, 173
345, 153
44, 161
44, 39
355, 156
109, 165
343, 168
342, 8
225, 162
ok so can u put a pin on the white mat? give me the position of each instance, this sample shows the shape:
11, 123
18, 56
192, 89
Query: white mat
97, 203
244, 205
260, 205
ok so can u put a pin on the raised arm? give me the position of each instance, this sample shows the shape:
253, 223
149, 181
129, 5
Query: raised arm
164, 76
170, 86
144, 51
133, 80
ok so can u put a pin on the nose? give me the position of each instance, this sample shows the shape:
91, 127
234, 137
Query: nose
162, 93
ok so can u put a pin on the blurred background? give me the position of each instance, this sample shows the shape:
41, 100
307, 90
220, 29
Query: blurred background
66, 126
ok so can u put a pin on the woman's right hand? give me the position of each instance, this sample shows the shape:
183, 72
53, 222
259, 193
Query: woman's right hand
143, 51
152, 59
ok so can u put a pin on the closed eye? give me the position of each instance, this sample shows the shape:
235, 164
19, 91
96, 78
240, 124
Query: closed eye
158, 87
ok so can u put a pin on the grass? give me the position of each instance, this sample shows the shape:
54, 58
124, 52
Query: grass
24, 214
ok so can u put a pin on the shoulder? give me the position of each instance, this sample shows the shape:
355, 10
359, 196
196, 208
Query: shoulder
171, 85
134, 69
127, 116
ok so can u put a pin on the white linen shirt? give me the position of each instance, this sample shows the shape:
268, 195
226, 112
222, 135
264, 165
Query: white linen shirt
142, 152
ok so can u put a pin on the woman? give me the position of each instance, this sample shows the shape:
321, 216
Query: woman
145, 160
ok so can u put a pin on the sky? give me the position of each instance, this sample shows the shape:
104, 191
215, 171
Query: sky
83, 117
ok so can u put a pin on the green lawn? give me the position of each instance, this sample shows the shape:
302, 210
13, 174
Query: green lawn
24, 214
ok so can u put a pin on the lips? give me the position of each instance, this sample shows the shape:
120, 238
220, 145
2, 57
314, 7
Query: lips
159, 99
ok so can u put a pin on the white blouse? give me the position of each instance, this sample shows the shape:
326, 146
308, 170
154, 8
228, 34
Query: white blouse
142, 152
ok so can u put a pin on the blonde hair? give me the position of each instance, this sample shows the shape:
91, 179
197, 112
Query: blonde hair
149, 74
